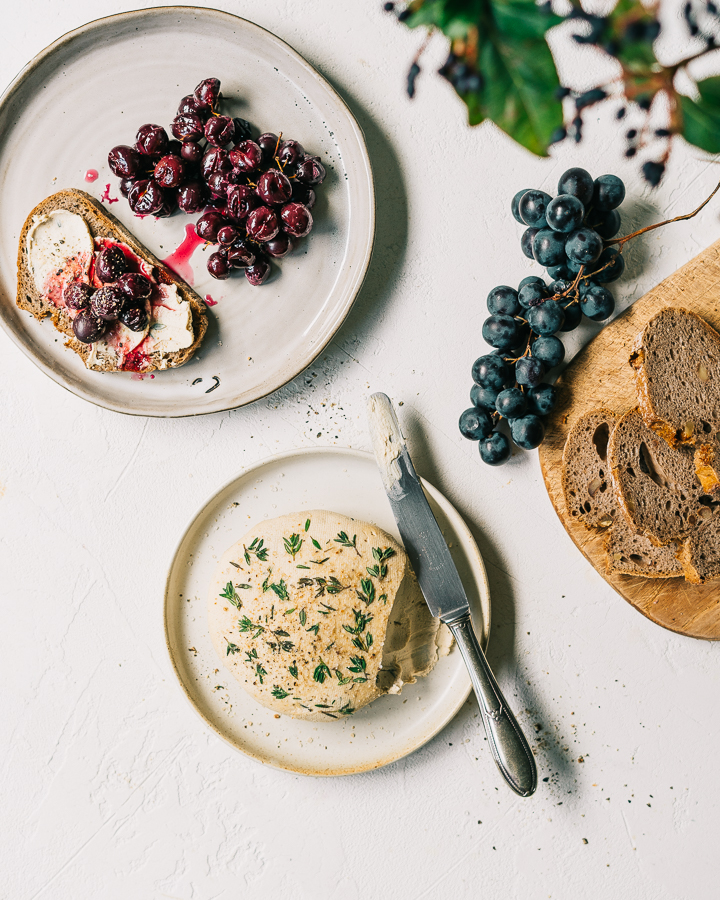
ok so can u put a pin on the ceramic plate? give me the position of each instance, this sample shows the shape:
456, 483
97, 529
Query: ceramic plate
93, 89
346, 482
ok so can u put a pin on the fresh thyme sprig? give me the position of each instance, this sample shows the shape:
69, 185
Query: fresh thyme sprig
293, 545
229, 593
367, 592
278, 693
361, 622
231, 648
345, 541
281, 589
321, 672
379, 570
256, 549
247, 625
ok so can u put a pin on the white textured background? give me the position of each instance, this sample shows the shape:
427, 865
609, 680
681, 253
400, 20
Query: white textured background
110, 787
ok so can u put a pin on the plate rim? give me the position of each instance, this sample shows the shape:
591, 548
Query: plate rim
483, 590
360, 271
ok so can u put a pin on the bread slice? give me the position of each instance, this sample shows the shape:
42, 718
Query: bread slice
590, 498
700, 553
655, 484
676, 359
104, 225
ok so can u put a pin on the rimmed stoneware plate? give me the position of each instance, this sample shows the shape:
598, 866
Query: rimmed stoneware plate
347, 482
93, 89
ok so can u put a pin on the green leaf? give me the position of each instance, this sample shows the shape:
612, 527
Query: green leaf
701, 118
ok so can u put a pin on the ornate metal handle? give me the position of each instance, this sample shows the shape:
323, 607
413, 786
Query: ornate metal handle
509, 748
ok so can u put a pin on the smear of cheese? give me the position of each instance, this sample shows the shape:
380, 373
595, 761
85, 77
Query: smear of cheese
171, 327
59, 249
114, 346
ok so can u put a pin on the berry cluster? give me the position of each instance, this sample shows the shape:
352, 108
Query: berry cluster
567, 235
123, 296
255, 198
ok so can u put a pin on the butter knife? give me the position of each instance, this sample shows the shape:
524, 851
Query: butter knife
444, 592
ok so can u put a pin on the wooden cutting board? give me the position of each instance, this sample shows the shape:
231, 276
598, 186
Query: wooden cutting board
600, 375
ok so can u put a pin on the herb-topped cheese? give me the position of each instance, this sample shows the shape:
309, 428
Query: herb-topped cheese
317, 614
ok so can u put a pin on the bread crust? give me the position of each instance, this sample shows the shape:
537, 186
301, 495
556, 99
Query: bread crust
101, 224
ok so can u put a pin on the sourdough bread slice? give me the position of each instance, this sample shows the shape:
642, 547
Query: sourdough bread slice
104, 225
700, 553
655, 484
676, 359
590, 498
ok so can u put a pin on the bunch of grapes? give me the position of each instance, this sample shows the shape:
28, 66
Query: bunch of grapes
255, 198
567, 235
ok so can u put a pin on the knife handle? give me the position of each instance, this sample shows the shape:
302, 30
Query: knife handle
509, 748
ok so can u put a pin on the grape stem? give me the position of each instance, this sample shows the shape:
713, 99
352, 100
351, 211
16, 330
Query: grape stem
628, 237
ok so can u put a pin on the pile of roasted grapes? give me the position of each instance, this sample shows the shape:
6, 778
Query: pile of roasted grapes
255, 195
567, 235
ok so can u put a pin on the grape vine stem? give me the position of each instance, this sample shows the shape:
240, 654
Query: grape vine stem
628, 237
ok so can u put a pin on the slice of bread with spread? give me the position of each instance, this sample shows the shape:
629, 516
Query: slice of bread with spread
590, 499
676, 358
60, 244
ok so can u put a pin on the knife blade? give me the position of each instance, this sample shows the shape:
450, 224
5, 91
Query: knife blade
444, 592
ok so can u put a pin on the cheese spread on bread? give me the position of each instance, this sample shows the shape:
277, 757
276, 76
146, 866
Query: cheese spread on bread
317, 614
59, 249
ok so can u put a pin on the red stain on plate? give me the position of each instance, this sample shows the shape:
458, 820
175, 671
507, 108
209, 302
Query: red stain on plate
209, 300
91, 175
179, 260
106, 198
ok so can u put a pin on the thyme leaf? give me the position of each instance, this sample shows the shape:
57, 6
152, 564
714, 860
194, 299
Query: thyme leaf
229, 593
278, 693
321, 672
346, 710
293, 671
260, 672
358, 664
307, 524
256, 549
379, 570
293, 545
345, 541
314, 629
316, 544
361, 622
303, 617
367, 594
246, 625
281, 589
231, 648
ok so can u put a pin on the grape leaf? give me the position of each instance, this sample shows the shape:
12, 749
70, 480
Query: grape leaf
518, 76
701, 118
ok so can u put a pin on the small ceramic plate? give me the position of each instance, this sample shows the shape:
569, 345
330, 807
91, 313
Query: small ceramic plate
93, 89
346, 482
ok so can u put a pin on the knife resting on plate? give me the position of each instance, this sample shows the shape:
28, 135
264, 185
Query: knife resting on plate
444, 592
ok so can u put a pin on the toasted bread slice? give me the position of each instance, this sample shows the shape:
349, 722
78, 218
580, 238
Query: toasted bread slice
590, 499
101, 225
676, 358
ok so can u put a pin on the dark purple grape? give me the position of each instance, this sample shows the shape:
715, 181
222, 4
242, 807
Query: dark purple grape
290, 153
110, 264
208, 92
495, 449
609, 266
296, 219
134, 285
169, 171
491, 371
541, 399
188, 127
526, 241
608, 192
258, 272
262, 224
134, 317
605, 222
227, 235
546, 318
218, 183
191, 197
240, 256
579, 183
549, 247
527, 432
190, 106
529, 372
584, 246
278, 246
303, 193
597, 303
504, 300
475, 424
107, 302
511, 403
87, 327
247, 156
241, 200
208, 225
126, 185
515, 204
219, 130
273, 187
77, 295
269, 143
310, 171
151, 139
243, 131
573, 314
503, 332
146, 198
532, 208
215, 160
124, 161
191, 151
549, 350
